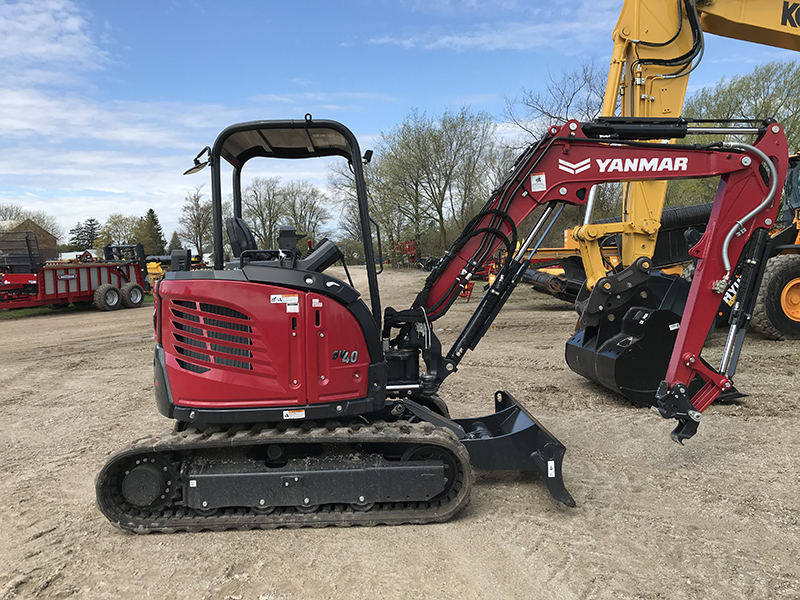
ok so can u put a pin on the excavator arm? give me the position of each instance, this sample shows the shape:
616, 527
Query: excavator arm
561, 169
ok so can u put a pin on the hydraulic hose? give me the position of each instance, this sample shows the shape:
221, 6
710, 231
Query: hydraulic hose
773, 175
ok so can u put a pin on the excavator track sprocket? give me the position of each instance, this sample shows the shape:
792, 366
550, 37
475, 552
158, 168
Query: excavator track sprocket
153, 485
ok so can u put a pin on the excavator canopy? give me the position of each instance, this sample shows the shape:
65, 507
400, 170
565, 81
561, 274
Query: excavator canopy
283, 140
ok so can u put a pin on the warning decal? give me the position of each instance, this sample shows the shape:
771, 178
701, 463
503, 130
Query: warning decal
538, 182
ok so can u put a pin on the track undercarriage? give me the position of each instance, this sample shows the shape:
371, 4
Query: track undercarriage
269, 477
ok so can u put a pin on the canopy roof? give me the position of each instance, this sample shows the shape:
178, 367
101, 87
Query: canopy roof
283, 139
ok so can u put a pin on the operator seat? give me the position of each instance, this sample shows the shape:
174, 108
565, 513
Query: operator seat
240, 236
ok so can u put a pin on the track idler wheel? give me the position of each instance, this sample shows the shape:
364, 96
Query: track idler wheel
437, 454
149, 483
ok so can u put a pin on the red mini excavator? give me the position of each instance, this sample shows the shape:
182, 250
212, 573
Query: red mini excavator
296, 404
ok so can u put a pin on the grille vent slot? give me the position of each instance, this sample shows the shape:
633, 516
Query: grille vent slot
228, 337
223, 311
231, 350
227, 325
190, 341
193, 354
188, 328
184, 315
200, 314
221, 360
190, 367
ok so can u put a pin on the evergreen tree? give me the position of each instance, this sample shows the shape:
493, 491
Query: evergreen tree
84, 234
147, 231
76, 237
91, 229
174, 243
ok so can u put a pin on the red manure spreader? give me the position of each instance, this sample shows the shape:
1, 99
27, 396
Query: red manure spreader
26, 280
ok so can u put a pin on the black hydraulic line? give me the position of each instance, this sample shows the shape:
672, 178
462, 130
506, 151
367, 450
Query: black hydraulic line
670, 40
697, 36
500, 291
449, 296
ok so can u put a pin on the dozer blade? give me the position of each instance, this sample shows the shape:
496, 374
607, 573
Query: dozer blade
511, 439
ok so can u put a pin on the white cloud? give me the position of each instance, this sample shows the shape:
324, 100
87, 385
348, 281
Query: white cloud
566, 26
46, 36
75, 158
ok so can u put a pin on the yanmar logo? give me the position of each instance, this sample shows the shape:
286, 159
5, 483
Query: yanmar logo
574, 168
642, 165
627, 165
789, 15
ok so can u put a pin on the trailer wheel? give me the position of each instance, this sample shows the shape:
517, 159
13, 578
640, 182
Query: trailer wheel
132, 295
107, 297
777, 311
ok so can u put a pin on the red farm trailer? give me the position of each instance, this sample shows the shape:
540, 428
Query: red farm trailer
115, 281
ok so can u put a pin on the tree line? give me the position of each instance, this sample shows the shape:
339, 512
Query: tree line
121, 229
267, 203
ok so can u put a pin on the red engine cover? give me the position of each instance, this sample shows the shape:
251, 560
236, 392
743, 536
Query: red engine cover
232, 344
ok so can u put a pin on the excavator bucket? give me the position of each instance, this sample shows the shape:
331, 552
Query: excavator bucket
511, 439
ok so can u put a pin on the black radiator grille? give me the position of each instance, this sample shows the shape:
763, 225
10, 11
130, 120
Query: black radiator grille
220, 347
229, 337
227, 325
192, 367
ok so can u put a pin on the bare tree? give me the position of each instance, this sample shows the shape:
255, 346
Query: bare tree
576, 94
11, 212
437, 168
262, 208
400, 184
12, 215
341, 183
305, 208
196, 227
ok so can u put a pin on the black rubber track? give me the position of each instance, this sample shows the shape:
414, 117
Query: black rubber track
175, 517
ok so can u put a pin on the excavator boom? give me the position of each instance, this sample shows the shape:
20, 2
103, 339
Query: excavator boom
560, 169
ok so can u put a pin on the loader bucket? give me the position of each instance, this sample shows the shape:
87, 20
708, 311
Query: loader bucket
511, 439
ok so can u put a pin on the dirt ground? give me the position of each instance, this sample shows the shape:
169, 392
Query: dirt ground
716, 519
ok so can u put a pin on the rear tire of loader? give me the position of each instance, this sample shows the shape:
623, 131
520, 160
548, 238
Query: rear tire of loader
132, 295
107, 297
776, 314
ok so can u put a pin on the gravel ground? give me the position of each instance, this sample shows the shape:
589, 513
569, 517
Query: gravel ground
716, 519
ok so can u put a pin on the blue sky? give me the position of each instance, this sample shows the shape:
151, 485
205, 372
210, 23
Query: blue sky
103, 104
